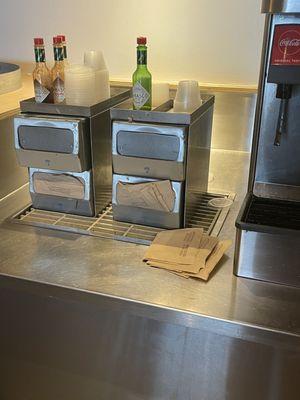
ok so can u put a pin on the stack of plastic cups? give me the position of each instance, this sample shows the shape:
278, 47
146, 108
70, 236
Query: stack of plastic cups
80, 83
95, 60
187, 97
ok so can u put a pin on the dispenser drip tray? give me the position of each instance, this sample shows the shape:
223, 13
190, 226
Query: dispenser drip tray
202, 215
274, 213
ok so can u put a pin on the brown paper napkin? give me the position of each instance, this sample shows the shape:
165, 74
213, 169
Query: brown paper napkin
176, 248
211, 261
186, 252
62, 185
157, 195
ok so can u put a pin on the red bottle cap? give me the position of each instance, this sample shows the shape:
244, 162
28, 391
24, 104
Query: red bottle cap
63, 37
141, 40
38, 41
57, 40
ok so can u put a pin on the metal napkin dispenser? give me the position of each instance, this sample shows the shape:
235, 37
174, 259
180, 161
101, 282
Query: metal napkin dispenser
161, 146
152, 150
69, 139
268, 226
60, 143
67, 192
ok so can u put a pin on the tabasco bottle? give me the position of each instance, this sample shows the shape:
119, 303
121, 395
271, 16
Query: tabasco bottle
41, 74
141, 78
57, 72
64, 44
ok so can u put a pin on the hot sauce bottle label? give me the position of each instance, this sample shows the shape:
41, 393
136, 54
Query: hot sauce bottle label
58, 90
40, 91
140, 95
286, 45
141, 57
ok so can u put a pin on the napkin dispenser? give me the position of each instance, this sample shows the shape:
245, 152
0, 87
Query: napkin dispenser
67, 192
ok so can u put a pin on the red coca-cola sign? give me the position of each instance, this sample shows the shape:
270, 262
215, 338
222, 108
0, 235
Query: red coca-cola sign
286, 45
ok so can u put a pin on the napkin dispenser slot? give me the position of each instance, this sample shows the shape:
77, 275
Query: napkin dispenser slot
59, 143
146, 216
67, 192
149, 150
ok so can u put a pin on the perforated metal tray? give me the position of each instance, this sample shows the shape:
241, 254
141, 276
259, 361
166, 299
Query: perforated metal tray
202, 216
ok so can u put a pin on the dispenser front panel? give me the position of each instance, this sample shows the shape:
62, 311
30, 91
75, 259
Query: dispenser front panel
47, 141
148, 145
149, 150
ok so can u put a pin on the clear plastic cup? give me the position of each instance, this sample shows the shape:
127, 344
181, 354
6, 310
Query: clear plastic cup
188, 96
94, 59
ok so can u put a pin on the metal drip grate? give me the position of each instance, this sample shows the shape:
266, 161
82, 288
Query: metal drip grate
199, 215
276, 213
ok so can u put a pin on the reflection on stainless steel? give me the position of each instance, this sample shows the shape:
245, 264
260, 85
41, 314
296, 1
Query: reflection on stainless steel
280, 6
85, 318
233, 121
85, 346
12, 176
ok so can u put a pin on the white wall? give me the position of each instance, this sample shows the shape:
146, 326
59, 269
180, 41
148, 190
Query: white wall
217, 41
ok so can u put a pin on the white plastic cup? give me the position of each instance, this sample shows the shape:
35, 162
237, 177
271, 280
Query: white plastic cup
188, 96
94, 59
160, 93
80, 82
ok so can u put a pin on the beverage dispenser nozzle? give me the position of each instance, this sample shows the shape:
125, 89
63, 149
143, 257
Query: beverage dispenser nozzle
284, 92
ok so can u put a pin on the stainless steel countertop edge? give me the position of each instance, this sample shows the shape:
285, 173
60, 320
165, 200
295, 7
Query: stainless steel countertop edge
227, 327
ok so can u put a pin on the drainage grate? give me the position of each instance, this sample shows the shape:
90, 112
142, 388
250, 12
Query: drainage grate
200, 215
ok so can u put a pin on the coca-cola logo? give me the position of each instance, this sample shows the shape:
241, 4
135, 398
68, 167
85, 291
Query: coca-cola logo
289, 42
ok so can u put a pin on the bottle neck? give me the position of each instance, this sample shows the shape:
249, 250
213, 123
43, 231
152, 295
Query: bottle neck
142, 55
58, 53
39, 53
65, 51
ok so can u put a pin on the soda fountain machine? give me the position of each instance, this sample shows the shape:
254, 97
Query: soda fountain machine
268, 236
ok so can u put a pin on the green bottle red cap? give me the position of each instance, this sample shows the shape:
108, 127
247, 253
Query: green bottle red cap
141, 40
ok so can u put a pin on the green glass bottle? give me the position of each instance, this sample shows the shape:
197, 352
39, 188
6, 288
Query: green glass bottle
142, 79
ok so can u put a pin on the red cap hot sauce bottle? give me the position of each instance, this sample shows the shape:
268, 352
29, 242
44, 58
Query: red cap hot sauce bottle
57, 72
41, 74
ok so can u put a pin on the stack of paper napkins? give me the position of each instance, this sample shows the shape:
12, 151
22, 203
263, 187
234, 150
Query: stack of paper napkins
189, 252
156, 195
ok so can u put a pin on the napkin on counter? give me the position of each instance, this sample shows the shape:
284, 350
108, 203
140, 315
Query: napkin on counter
156, 195
189, 253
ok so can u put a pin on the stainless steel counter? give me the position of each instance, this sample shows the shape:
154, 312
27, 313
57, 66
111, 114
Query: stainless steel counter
111, 275
113, 268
